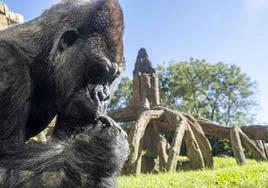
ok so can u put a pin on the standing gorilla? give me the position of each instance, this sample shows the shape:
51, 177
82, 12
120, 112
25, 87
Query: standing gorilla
62, 63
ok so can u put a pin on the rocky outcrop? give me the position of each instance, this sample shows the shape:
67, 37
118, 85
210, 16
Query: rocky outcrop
8, 18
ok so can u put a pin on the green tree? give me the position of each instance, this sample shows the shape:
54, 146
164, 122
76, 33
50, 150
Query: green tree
122, 95
219, 92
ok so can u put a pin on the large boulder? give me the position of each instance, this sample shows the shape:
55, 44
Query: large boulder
8, 18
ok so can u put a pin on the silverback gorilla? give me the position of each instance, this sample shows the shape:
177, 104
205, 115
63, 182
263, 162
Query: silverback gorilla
62, 63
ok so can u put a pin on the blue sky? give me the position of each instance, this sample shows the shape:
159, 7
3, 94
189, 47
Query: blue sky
228, 31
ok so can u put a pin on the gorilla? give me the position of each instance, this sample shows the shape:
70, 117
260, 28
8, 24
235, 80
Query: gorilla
62, 63
97, 151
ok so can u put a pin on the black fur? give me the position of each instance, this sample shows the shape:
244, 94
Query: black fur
98, 151
61, 63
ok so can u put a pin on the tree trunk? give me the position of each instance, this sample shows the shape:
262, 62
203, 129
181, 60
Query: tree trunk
261, 146
214, 129
202, 140
151, 142
256, 132
193, 151
251, 147
145, 85
135, 138
162, 150
155, 91
265, 149
136, 90
176, 145
237, 146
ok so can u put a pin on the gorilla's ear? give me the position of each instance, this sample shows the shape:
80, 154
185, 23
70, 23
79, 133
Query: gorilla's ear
68, 38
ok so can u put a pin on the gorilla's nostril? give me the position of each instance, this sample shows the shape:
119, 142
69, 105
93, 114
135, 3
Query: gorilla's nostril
106, 92
102, 93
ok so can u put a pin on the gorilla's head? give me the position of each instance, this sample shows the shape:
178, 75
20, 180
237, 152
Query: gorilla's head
86, 57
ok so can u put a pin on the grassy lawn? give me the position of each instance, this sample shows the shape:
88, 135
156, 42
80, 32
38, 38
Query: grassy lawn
225, 174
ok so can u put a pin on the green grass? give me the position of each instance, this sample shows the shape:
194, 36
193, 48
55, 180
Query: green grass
225, 174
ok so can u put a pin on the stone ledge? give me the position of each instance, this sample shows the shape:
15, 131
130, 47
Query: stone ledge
11, 16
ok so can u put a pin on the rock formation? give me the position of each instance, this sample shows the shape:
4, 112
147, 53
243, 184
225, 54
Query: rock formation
8, 18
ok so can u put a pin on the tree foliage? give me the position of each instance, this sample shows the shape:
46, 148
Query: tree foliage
219, 92
122, 95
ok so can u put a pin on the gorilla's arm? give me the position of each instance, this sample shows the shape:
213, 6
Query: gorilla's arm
42, 111
15, 91
25, 108
97, 150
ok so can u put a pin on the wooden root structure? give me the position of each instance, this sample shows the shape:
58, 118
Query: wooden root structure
198, 146
239, 137
151, 121
150, 152
145, 135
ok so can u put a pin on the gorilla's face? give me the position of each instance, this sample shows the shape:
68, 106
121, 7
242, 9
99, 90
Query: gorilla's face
87, 61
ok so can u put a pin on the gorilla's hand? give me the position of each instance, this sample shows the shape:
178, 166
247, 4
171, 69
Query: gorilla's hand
102, 149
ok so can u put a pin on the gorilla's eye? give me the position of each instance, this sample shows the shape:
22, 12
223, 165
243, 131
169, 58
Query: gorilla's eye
68, 38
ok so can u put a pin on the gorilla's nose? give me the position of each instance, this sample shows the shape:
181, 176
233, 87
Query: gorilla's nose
102, 93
